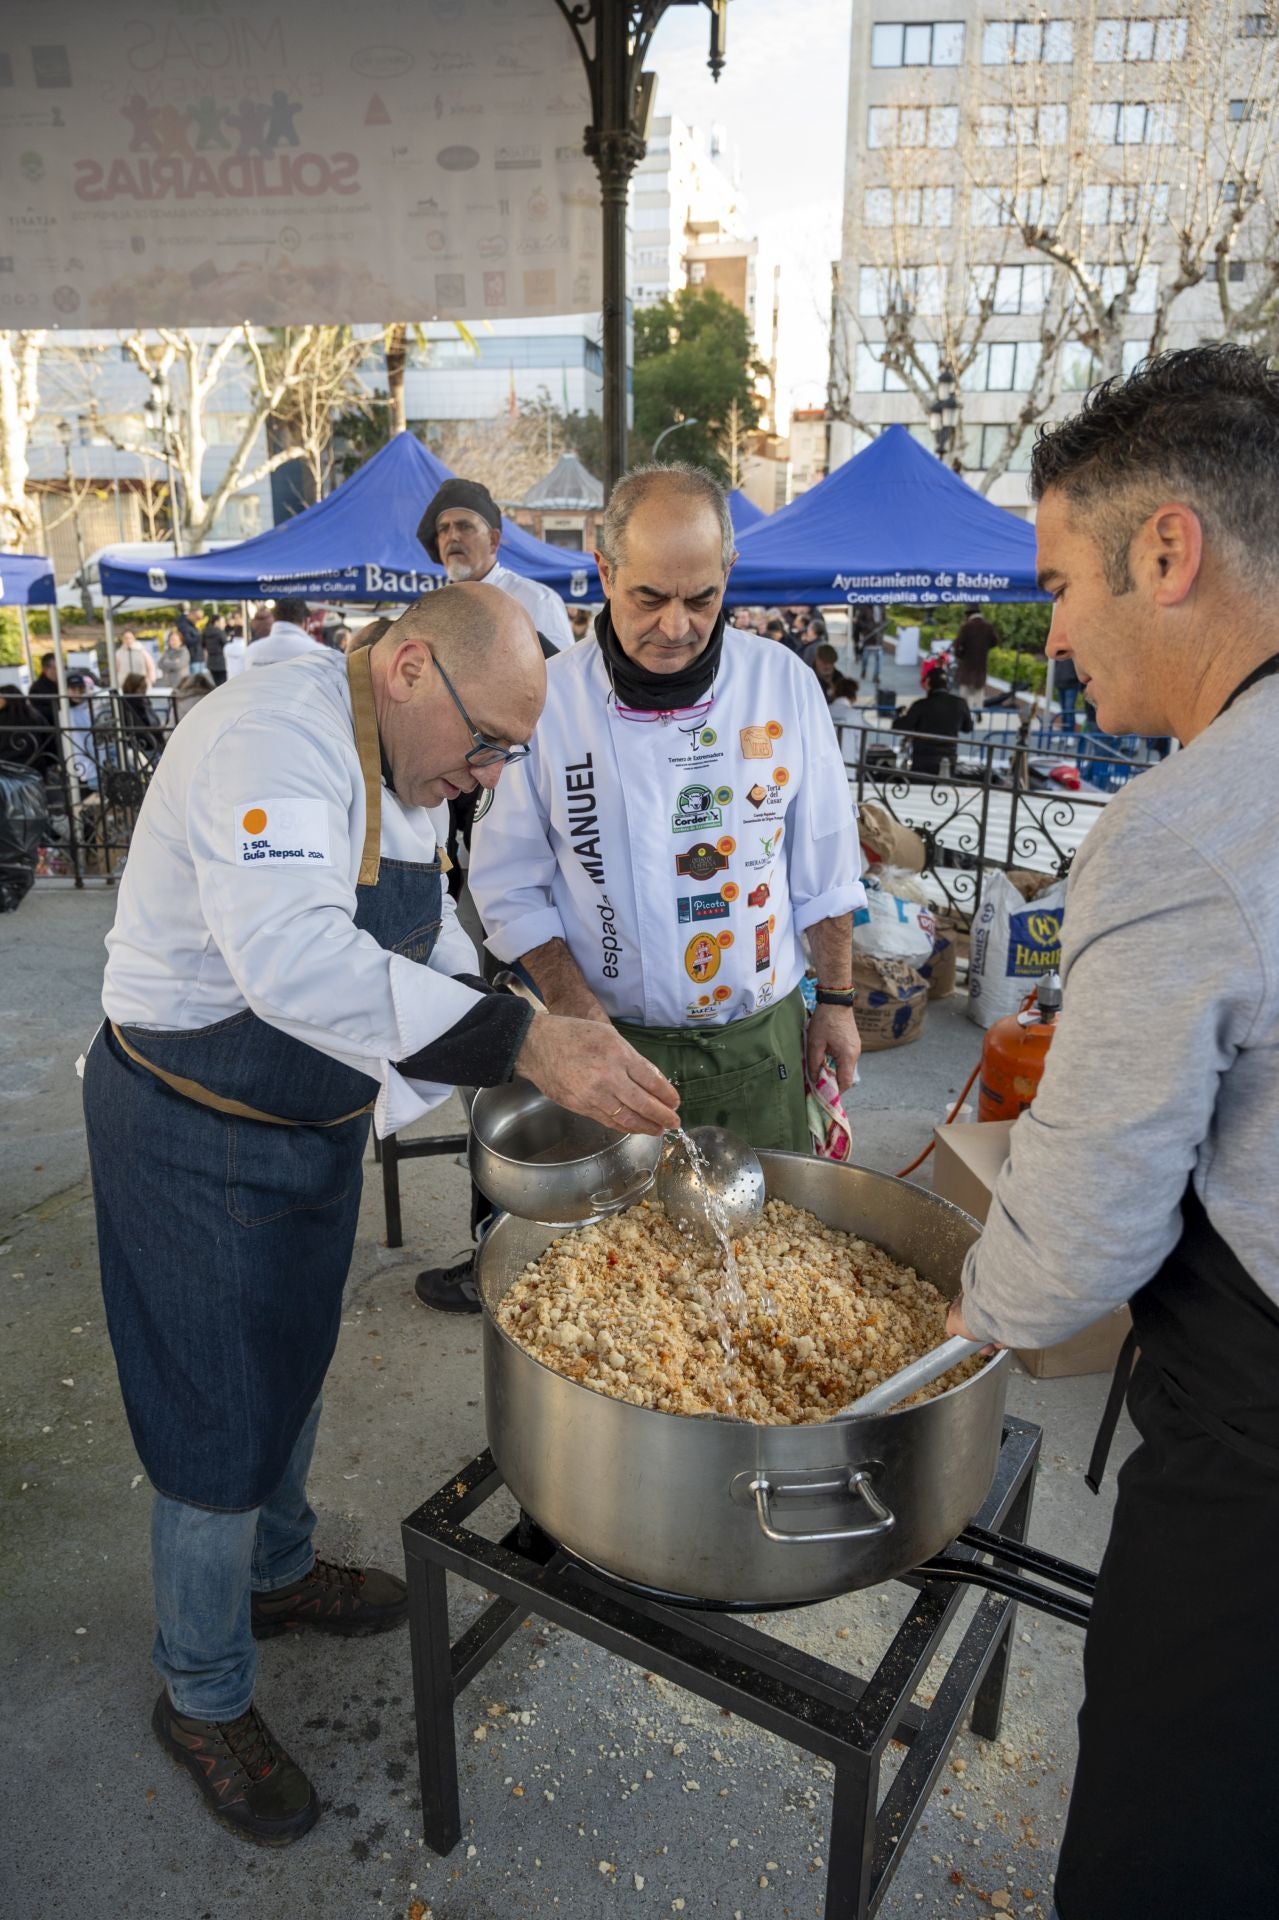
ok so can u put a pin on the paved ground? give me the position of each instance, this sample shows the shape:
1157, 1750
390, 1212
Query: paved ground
614, 1768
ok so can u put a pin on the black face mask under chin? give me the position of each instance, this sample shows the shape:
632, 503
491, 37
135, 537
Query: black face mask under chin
635, 686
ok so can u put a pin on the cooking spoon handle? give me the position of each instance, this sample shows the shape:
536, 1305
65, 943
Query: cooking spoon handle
908, 1380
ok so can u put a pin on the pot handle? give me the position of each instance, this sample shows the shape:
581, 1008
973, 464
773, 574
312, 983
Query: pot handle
605, 1202
856, 1482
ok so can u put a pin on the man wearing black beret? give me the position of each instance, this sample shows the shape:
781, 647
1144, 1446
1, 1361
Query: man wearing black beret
461, 529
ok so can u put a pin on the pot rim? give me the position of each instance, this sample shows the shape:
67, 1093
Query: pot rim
617, 1138
833, 1420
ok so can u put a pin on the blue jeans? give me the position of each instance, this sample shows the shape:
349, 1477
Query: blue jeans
206, 1565
872, 662
1069, 698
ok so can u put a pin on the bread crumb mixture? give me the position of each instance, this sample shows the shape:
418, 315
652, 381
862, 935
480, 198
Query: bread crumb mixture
629, 1308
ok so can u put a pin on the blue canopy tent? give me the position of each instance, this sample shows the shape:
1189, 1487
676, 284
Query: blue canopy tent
893, 524
743, 512
360, 543
26, 580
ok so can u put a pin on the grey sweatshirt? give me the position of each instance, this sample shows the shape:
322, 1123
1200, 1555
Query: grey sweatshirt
1166, 1062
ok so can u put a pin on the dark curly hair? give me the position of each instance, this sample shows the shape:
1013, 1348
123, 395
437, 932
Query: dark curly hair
1201, 424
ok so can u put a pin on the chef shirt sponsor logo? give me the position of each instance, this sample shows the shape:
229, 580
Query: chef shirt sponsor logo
702, 861
699, 746
768, 794
583, 817
701, 958
696, 807
758, 896
763, 957
610, 945
286, 832
757, 741
701, 906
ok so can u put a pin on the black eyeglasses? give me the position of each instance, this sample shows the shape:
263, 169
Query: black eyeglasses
484, 752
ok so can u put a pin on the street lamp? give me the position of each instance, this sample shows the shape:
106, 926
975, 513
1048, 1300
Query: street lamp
161, 417
66, 433
943, 412
674, 428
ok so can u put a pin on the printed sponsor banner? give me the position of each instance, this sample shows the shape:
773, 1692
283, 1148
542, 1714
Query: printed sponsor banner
196, 166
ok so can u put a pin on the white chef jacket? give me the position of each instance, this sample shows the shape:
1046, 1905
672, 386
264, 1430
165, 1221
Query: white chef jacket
284, 642
235, 657
681, 859
548, 612
199, 934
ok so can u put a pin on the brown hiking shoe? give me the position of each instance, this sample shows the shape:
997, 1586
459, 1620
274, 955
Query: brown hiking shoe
245, 1777
333, 1599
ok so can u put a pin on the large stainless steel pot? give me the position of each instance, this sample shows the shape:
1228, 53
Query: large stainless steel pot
726, 1511
538, 1160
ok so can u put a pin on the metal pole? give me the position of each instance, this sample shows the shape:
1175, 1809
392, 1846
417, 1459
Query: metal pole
113, 671
26, 642
616, 146
1048, 693
66, 752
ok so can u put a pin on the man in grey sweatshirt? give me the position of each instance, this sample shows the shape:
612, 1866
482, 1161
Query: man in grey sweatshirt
1158, 1113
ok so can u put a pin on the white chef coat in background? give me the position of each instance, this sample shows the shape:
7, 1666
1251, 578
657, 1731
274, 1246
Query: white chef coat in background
679, 859
544, 606
201, 931
284, 642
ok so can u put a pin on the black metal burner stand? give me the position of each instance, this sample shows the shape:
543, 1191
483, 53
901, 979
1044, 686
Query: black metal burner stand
818, 1707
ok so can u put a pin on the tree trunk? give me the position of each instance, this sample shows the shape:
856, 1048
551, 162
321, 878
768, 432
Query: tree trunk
19, 369
397, 354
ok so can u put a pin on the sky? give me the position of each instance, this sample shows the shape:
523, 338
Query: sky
782, 101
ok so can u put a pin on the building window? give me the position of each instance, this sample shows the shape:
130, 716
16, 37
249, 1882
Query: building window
872, 376
909, 206
1238, 110
1077, 369
938, 43
1259, 26
1008, 289
1124, 123
1016, 42
982, 446
1135, 351
1003, 366
1237, 270
1115, 40
913, 289
1112, 281
1035, 206
1007, 126
912, 126
1125, 205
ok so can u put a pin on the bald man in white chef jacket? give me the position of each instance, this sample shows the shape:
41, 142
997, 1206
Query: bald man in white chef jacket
681, 824
284, 962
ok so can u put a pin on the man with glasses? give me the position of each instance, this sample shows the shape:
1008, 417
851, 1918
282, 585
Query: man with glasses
681, 826
284, 962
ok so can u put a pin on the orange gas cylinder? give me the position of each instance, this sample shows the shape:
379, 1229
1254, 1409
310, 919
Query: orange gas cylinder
1015, 1052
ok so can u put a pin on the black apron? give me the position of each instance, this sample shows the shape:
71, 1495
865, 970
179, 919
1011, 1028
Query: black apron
1176, 1792
227, 1172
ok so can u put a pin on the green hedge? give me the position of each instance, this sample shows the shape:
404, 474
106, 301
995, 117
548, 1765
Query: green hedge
1020, 669
1024, 629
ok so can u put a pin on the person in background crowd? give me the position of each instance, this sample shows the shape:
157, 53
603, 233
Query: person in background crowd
43, 692
815, 636
841, 698
192, 639
340, 639
973, 643
25, 738
140, 722
825, 664
213, 638
175, 661
941, 715
579, 618
81, 745
286, 639
868, 631
235, 652
1069, 692
188, 693
743, 619
462, 529
132, 657
775, 629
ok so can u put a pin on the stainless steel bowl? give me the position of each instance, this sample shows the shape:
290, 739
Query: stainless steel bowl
540, 1162
726, 1511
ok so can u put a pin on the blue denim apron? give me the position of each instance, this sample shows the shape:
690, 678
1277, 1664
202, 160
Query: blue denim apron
227, 1170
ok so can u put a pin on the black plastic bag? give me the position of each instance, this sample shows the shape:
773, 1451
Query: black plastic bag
25, 827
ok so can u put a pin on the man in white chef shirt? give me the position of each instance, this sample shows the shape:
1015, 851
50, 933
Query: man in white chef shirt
283, 960
682, 820
462, 530
287, 639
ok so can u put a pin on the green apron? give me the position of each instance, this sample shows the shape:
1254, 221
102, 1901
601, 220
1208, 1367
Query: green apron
748, 1075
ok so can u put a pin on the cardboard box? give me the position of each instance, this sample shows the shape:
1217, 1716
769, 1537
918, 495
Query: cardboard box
966, 1160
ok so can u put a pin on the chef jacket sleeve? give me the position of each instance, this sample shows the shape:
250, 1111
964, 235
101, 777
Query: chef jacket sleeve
1163, 982
286, 930
824, 862
513, 866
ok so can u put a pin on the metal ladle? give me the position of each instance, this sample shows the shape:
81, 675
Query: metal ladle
730, 1170
909, 1379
